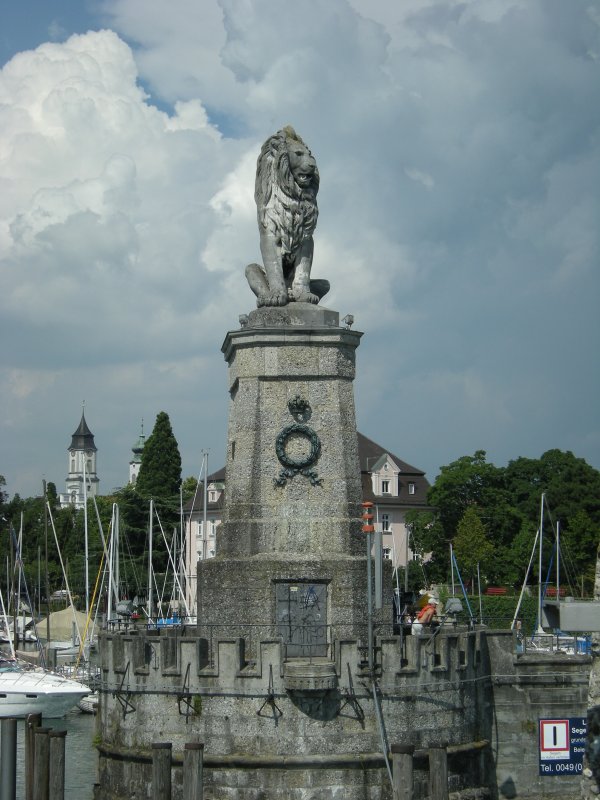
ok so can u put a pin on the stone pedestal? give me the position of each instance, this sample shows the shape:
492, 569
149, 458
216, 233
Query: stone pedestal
293, 497
271, 363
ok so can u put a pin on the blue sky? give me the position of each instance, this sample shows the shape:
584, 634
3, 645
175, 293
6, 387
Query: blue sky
459, 150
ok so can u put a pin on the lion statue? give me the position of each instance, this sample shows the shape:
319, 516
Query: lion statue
287, 182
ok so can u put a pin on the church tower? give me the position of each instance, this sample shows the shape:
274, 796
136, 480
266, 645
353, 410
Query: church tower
136, 461
82, 465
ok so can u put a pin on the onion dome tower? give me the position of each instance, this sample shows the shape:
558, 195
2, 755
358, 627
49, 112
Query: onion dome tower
136, 461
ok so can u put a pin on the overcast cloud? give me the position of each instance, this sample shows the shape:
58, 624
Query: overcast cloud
459, 151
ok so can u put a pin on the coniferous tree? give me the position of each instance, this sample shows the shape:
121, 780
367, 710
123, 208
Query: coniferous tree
159, 478
160, 470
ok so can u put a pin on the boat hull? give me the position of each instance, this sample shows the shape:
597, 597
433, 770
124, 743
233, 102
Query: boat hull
23, 693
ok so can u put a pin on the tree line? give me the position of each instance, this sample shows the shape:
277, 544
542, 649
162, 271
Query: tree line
41, 524
491, 514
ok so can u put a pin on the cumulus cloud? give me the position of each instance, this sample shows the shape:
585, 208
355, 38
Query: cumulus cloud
458, 150
104, 198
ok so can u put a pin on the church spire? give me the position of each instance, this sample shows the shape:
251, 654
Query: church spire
82, 466
83, 438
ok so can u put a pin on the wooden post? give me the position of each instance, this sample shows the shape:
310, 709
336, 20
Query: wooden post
193, 757
438, 773
32, 722
402, 766
42, 764
57, 765
161, 771
8, 759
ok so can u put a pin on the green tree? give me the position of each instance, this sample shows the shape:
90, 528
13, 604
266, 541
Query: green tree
512, 560
507, 501
427, 541
572, 492
160, 470
159, 478
569, 483
469, 481
471, 545
188, 488
578, 540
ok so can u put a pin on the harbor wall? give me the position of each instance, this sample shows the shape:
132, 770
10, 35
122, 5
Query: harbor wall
271, 731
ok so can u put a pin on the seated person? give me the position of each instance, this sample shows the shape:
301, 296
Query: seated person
425, 617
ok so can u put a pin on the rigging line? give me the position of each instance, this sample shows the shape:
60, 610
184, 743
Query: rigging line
537, 534
89, 617
462, 586
418, 546
162, 592
562, 551
187, 610
10, 641
19, 562
538, 621
197, 488
66, 579
570, 567
132, 562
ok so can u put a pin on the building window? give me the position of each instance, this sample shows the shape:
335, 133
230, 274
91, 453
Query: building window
385, 487
387, 553
385, 523
411, 488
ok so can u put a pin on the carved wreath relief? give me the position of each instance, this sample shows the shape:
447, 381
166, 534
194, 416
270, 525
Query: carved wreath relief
310, 446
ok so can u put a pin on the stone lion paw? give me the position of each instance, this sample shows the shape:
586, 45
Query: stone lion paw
304, 296
275, 297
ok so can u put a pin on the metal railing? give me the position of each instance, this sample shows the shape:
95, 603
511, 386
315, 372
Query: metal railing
555, 643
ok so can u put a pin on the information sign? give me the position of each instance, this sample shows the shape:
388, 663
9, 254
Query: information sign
562, 745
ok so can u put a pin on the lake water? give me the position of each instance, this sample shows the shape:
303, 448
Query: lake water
81, 756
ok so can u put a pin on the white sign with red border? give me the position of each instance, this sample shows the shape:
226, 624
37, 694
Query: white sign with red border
555, 742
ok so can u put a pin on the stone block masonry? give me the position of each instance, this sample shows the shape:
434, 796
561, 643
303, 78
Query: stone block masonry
263, 736
314, 509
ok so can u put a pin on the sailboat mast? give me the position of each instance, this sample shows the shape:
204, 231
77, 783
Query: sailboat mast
85, 535
557, 560
540, 577
113, 563
47, 580
150, 562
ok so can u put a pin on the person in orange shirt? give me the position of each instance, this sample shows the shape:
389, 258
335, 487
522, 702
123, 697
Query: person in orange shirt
425, 616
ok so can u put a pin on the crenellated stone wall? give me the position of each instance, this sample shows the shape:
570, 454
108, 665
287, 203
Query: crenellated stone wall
265, 738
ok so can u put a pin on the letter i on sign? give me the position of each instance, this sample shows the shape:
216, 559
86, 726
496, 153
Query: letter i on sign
554, 739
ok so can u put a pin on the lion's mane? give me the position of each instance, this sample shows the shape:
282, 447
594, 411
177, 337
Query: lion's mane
283, 207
